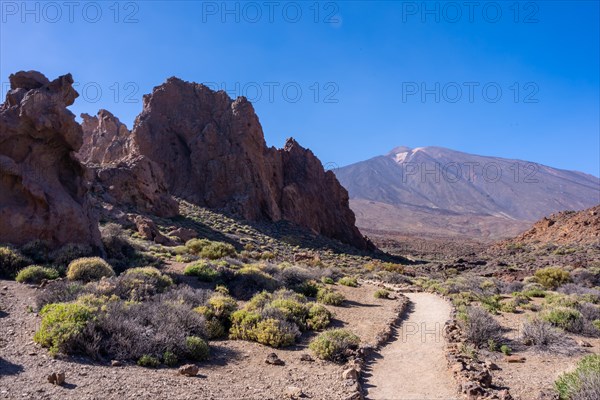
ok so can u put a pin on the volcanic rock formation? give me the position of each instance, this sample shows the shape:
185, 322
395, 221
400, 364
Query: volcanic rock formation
204, 147
42, 186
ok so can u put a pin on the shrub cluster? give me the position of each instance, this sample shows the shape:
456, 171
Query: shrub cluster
11, 261
277, 319
330, 297
334, 344
203, 270
583, 383
208, 249
552, 277
348, 281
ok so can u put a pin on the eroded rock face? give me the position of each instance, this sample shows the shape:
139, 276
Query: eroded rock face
42, 186
122, 175
212, 152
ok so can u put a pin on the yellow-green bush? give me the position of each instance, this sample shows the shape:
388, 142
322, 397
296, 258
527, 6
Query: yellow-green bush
382, 294
222, 306
243, 324
11, 261
566, 318
332, 345
583, 383
211, 250
89, 269
62, 322
275, 333
330, 297
197, 348
170, 359
552, 277
162, 281
319, 317
148, 361
36, 274
204, 271
348, 281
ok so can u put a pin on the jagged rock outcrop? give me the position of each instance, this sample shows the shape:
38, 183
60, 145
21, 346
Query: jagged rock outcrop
212, 152
564, 228
42, 185
122, 175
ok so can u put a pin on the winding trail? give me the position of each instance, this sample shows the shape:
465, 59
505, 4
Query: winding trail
413, 366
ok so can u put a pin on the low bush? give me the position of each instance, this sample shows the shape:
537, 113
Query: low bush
148, 361
170, 359
333, 345
565, 318
491, 303
249, 280
153, 276
382, 294
330, 297
204, 271
36, 274
539, 333
583, 383
61, 323
89, 269
327, 280
197, 349
509, 306
552, 277
348, 281
276, 333
243, 325
479, 326
11, 261
318, 318
211, 250
507, 351
37, 250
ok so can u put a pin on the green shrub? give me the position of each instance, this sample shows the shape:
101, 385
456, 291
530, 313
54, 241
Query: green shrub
348, 281
222, 306
37, 250
330, 297
211, 250
203, 271
509, 306
333, 344
327, 280
552, 277
534, 292
382, 294
197, 348
505, 350
89, 269
61, 323
308, 289
293, 310
583, 382
596, 323
11, 261
565, 318
243, 324
148, 361
63, 256
491, 303
36, 274
162, 281
492, 345
319, 317
275, 333
170, 359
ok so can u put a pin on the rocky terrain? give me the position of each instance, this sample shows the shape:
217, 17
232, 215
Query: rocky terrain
433, 191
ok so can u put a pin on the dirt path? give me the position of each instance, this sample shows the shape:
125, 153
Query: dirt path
413, 366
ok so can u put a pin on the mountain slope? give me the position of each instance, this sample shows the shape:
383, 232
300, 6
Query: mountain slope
433, 189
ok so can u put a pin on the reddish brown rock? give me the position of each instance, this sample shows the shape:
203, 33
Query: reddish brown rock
212, 152
124, 176
42, 186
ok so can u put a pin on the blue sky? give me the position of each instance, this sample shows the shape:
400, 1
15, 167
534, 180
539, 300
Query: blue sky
350, 80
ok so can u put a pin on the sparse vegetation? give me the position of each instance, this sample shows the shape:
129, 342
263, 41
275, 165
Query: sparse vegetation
348, 281
552, 277
330, 297
382, 294
583, 383
11, 261
479, 326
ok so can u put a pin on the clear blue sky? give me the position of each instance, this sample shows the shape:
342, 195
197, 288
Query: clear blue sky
371, 59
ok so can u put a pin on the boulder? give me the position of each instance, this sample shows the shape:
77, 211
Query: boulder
188, 370
43, 190
56, 378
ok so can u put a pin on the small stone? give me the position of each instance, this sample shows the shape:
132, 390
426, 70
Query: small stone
583, 343
274, 360
350, 373
56, 378
293, 392
189, 370
116, 363
306, 357
491, 365
514, 359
